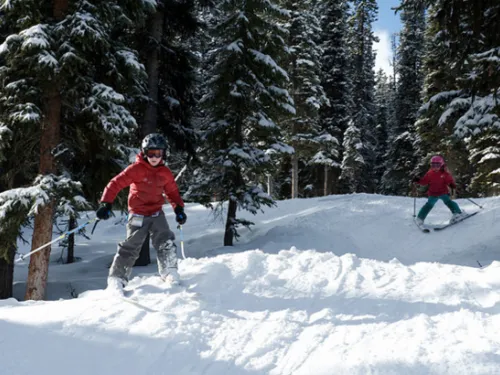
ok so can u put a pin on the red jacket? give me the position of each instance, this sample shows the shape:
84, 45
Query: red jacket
147, 184
438, 182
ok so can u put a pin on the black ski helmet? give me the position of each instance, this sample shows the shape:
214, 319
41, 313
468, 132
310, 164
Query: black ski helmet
154, 141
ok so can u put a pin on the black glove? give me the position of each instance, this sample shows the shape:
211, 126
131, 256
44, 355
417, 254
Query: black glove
180, 215
415, 179
103, 212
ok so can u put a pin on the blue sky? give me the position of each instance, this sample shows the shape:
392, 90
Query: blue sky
387, 20
386, 24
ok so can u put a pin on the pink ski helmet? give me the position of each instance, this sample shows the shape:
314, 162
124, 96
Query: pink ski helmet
437, 161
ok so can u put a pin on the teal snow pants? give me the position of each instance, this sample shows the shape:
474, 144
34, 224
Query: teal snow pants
431, 201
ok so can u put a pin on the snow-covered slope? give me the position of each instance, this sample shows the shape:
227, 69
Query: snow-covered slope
334, 285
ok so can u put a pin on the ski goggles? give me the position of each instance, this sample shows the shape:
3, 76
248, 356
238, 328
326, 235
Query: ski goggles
436, 165
154, 153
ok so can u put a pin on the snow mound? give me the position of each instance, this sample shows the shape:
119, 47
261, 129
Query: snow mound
335, 285
294, 312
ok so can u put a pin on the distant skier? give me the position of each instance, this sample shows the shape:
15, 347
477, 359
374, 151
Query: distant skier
438, 178
148, 179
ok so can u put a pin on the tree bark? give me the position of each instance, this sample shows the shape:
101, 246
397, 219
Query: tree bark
7, 274
39, 262
42, 233
335, 180
233, 203
151, 114
295, 175
231, 217
60, 9
152, 68
326, 185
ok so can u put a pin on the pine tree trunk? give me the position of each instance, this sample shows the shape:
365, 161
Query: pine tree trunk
42, 233
39, 262
60, 9
71, 240
231, 217
295, 175
326, 185
233, 204
334, 178
152, 68
151, 114
7, 274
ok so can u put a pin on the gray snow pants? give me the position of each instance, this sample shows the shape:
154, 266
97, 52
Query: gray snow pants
128, 251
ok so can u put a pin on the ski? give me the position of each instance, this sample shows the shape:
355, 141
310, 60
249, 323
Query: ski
127, 295
421, 227
127, 298
456, 222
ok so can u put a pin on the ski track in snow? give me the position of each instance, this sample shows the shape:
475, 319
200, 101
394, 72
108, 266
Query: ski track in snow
337, 285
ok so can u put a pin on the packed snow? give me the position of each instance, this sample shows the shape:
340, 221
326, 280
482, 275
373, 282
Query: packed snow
335, 285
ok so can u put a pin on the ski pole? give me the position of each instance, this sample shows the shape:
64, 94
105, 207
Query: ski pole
181, 172
62, 236
414, 206
182, 241
183, 168
414, 200
470, 200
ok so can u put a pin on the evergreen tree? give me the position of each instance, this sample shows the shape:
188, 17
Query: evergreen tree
163, 46
245, 100
304, 131
383, 103
478, 104
460, 115
66, 83
484, 155
176, 97
337, 85
363, 80
443, 63
402, 155
353, 164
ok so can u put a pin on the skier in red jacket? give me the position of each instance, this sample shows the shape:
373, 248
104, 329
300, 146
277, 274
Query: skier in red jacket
438, 179
148, 179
